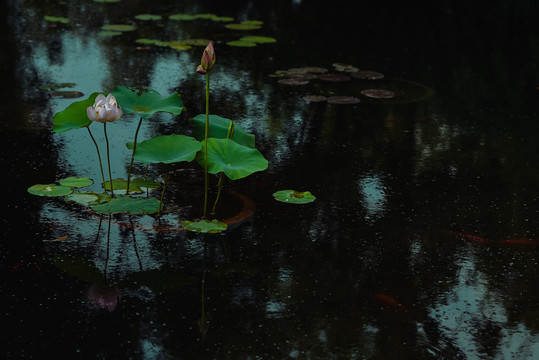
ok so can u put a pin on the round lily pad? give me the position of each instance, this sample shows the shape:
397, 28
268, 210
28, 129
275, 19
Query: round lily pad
205, 226
294, 197
59, 19
369, 75
241, 43
76, 182
259, 39
293, 81
49, 190
109, 33
87, 198
126, 204
167, 149
182, 17
242, 26
118, 27
147, 17
378, 93
334, 77
315, 98
343, 100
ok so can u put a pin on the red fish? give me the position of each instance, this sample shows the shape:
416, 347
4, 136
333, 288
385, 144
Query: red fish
389, 301
471, 237
521, 241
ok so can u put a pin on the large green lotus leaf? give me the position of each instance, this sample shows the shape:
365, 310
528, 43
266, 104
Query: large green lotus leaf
74, 116
76, 182
145, 101
167, 149
205, 226
219, 129
135, 185
235, 160
126, 204
294, 197
49, 190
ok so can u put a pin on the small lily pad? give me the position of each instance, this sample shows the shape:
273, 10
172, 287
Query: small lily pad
259, 39
196, 42
186, 17
242, 26
126, 204
49, 190
293, 82
59, 19
118, 27
378, 93
343, 100
315, 98
241, 43
147, 17
369, 75
205, 226
176, 45
87, 198
294, 197
109, 33
76, 182
252, 22
345, 67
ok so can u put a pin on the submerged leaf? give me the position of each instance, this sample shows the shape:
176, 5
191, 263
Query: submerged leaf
205, 226
49, 190
126, 204
294, 197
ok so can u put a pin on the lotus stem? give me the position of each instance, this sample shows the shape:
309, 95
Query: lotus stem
162, 193
206, 134
133, 156
108, 248
108, 157
229, 135
99, 156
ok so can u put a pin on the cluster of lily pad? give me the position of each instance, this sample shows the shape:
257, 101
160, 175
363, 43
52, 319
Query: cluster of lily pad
344, 73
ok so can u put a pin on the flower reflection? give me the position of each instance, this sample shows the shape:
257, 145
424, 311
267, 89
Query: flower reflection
104, 297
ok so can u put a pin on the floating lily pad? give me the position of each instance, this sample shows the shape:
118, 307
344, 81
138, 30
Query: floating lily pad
196, 42
364, 74
147, 17
235, 160
109, 33
259, 39
136, 185
294, 197
345, 67
74, 116
57, 86
242, 26
76, 182
219, 129
293, 82
205, 226
185, 17
343, 100
49, 190
126, 204
167, 149
59, 19
176, 45
241, 43
334, 77
145, 101
252, 22
118, 27
315, 98
149, 41
378, 93
87, 198
67, 94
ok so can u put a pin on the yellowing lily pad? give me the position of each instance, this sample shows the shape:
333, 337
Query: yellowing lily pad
294, 197
205, 226
49, 190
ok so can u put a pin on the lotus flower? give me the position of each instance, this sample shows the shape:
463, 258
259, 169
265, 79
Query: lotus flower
208, 59
105, 109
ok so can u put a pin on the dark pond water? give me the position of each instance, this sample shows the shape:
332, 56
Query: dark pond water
422, 242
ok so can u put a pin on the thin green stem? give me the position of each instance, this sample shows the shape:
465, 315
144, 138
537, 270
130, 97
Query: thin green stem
206, 133
162, 193
229, 135
108, 158
133, 156
99, 156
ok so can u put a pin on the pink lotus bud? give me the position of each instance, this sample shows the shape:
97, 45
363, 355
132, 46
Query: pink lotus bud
208, 59
105, 109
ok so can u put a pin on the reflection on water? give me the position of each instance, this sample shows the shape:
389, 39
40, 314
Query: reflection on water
370, 270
